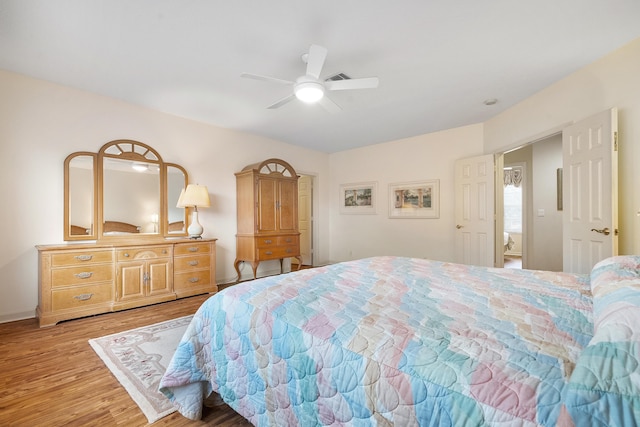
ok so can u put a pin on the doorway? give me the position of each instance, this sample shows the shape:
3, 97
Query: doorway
539, 242
514, 209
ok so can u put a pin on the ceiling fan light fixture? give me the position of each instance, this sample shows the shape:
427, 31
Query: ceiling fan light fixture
309, 92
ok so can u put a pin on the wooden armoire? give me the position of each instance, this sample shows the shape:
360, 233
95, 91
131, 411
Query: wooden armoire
267, 203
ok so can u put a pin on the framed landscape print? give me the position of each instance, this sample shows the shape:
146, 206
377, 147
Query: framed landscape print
358, 198
420, 199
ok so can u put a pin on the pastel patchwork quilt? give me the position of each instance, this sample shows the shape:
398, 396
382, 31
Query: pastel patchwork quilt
605, 387
391, 341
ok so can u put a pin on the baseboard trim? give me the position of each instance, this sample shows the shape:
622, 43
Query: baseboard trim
14, 317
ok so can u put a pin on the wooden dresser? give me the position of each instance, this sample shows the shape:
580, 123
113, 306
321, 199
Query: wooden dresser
267, 209
77, 280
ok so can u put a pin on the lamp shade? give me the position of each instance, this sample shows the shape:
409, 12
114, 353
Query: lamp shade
194, 196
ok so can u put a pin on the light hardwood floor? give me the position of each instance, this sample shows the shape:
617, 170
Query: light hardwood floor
52, 377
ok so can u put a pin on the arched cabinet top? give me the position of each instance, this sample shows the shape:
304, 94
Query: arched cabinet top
271, 166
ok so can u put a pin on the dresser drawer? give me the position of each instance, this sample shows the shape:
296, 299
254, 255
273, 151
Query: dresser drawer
268, 242
278, 252
81, 296
81, 275
196, 262
81, 258
135, 253
288, 240
185, 280
192, 248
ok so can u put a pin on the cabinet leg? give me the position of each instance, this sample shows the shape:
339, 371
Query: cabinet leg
299, 258
281, 267
236, 265
254, 265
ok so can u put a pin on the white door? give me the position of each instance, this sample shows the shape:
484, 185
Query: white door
475, 211
304, 218
590, 191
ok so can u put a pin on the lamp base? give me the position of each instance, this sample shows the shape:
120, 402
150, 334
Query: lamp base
195, 229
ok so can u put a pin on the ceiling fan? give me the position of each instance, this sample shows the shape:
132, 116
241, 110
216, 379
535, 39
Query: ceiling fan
309, 88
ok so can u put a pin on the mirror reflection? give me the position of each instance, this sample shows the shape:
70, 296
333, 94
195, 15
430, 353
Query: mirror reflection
80, 201
176, 181
131, 192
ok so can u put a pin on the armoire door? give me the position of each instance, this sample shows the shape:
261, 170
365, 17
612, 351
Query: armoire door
267, 197
287, 212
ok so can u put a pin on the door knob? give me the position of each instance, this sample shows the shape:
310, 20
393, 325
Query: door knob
459, 226
604, 231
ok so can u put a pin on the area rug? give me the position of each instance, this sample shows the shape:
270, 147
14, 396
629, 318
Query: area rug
138, 358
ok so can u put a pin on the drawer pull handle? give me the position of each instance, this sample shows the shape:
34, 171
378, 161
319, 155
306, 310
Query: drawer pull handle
83, 275
193, 249
83, 297
193, 263
194, 279
268, 241
126, 255
268, 253
164, 251
289, 250
288, 240
84, 257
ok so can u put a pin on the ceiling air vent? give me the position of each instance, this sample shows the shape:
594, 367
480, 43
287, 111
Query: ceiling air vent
339, 76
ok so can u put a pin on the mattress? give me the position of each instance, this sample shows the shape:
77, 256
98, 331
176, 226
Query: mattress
388, 340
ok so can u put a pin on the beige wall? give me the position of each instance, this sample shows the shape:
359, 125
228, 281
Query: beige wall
423, 157
610, 82
41, 123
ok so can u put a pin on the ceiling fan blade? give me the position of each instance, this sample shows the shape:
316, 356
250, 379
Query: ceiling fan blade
365, 83
315, 60
280, 103
265, 78
329, 105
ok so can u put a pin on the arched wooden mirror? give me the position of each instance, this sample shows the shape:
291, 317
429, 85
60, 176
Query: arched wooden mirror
80, 196
125, 190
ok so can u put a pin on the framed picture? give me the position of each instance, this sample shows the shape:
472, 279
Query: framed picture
420, 199
359, 198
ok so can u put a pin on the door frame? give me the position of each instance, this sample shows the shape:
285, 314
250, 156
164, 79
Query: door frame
499, 191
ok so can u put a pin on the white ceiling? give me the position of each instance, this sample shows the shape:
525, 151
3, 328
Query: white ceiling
437, 60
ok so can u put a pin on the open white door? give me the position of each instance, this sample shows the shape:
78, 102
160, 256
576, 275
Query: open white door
590, 191
305, 197
475, 210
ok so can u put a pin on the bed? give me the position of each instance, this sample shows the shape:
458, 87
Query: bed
402, 341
